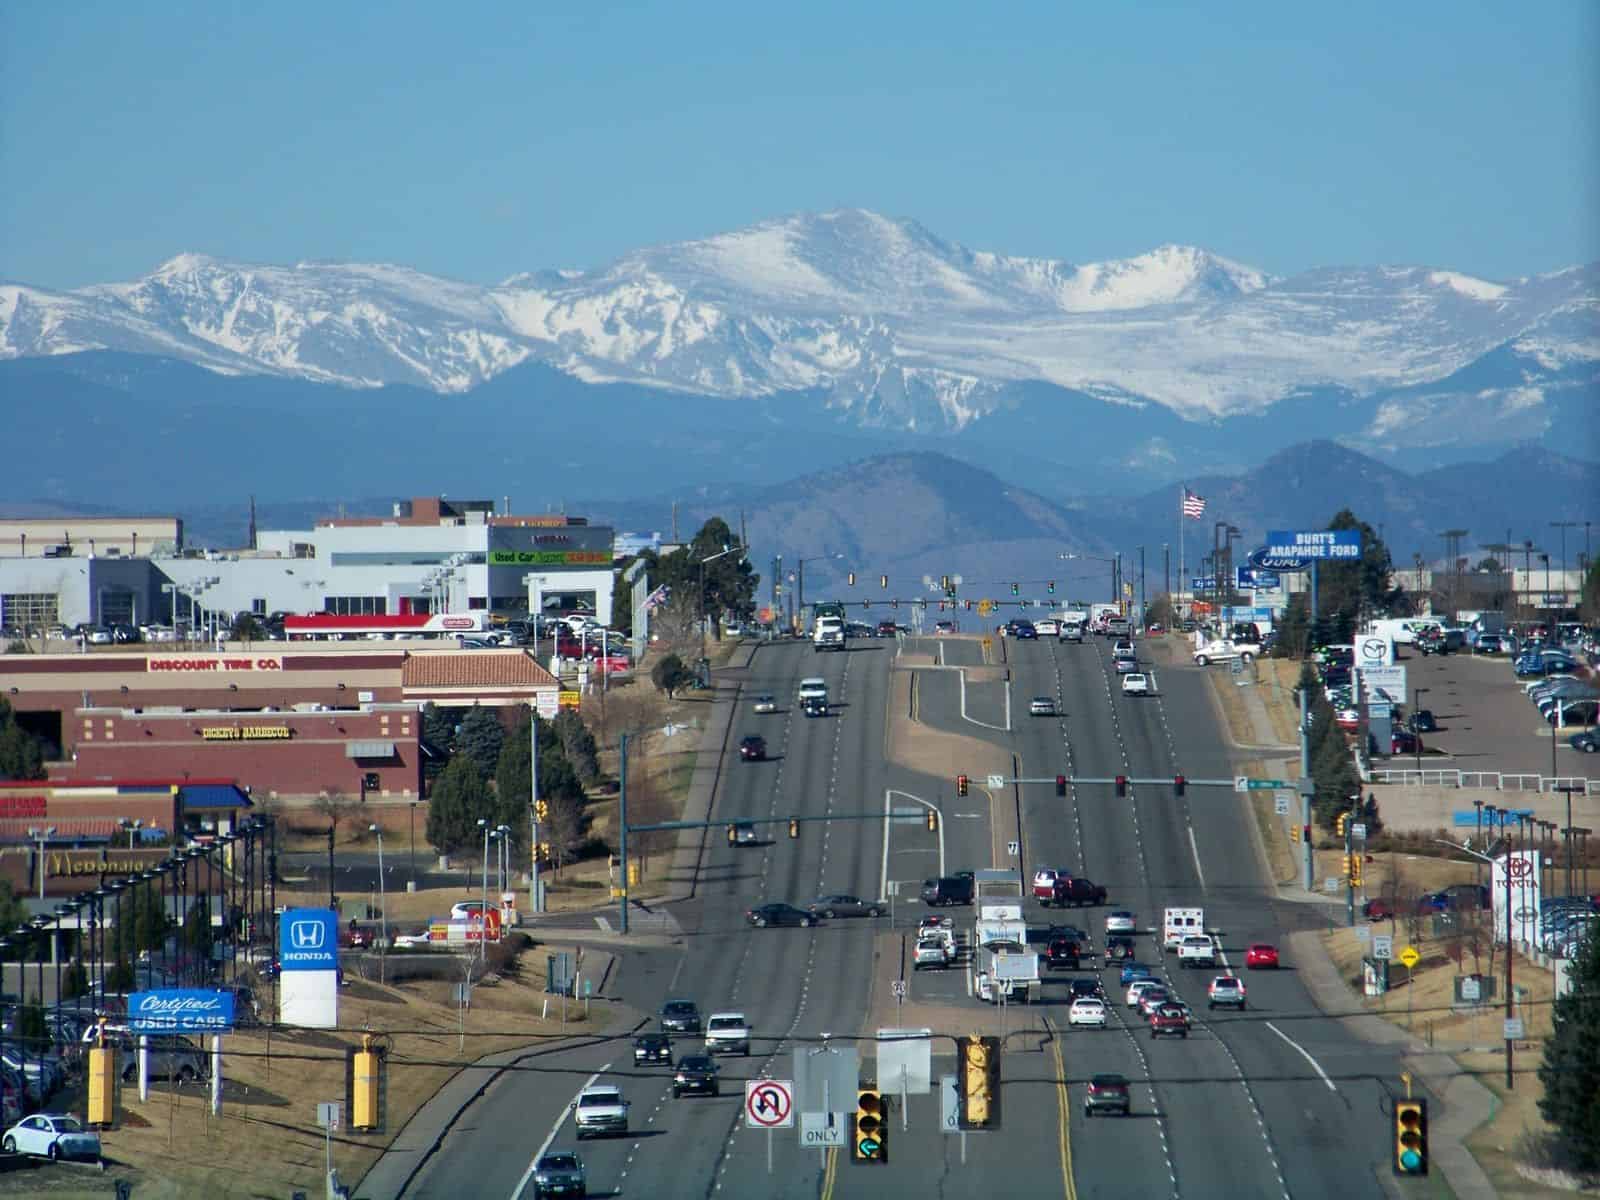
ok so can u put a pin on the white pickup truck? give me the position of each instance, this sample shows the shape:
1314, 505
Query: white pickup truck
728, 1033
1197, 950
1225, 650
600, 1109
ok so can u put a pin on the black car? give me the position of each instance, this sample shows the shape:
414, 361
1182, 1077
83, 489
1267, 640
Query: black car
1588, 741
696, 1075
753, 748
1025, 630
680, 1016
1084, 987
779, 914
951, 889
815, 706
652, 1048
1119, 946
1062, 954
1422, 721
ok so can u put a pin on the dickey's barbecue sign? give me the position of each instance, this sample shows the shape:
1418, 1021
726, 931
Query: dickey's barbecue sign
246, 733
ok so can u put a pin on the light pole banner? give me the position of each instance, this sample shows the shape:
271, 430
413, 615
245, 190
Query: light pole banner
1523, 868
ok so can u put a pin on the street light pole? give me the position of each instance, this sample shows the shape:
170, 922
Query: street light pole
383, 910
1416, 735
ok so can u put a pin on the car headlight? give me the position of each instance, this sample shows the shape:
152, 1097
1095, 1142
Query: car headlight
679, 1078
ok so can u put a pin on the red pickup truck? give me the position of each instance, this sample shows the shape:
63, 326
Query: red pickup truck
1168, 1020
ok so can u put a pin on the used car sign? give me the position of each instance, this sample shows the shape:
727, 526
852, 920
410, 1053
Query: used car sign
180, 1010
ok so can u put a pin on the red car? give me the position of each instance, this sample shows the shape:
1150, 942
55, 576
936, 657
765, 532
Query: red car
1261, 954
1168, 1019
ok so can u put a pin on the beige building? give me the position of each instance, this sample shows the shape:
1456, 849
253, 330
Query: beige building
92, 537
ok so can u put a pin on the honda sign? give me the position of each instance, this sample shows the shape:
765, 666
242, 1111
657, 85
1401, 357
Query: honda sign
308, 939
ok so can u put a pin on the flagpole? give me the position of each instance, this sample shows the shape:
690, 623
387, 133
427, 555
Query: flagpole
1183, 494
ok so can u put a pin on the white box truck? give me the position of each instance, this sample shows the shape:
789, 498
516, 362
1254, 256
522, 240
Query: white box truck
1179, 923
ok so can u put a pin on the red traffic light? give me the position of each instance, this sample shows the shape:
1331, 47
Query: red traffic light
1177, 785
1122, 786
1061, 785
961, 785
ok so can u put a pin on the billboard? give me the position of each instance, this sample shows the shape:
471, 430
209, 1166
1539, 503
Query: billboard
1328, 545
308, 939
1523, 910
1251, 578
180, 1010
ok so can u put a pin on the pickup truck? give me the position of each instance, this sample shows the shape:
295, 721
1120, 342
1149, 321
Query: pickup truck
1199, 950
1226, 650
728, 1033
600, 1109
1167, 1020
1075, 891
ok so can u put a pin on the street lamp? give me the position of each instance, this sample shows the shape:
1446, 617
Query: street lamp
503, 832
41, 836
383, 907
1492, 810
412, 864
483, 913
132, 827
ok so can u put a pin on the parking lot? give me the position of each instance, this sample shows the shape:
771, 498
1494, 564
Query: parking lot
1485, 721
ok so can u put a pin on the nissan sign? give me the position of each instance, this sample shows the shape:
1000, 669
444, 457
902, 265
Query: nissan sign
308, 939
180, 1010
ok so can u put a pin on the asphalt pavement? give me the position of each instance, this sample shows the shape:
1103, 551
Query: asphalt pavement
1276, 1101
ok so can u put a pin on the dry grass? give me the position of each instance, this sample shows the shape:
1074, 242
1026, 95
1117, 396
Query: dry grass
266, 1141
1497, 1143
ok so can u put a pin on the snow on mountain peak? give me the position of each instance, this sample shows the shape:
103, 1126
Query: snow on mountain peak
891, 324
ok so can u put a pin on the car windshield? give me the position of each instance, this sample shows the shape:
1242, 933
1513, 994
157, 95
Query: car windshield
559, 1162
1108, 1082
697, 1063
589, 1099
678, 1008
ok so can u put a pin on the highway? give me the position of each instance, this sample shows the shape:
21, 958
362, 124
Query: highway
1237, 1107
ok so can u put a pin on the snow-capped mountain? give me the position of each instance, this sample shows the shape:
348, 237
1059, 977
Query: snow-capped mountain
893, 327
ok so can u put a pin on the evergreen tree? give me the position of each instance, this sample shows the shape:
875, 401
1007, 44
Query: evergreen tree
579, 745
1570, 1072
119, 976
459, 798
669, 674
1354, 589
1294, 632
197, 932
31, 1030
480, 737
21, 754
74, 981
439, 732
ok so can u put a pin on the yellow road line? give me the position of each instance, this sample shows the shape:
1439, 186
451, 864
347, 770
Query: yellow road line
830, 1173
1064, 1113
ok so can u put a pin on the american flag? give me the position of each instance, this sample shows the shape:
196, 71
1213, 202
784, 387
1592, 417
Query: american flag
657, 598
1194, 506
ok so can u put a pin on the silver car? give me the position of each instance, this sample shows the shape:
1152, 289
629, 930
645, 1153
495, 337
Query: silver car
844, 906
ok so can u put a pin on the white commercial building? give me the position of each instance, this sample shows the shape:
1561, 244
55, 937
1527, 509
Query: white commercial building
431, 555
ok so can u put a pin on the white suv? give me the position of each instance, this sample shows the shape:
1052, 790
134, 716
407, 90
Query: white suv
1136, 684
1226, 990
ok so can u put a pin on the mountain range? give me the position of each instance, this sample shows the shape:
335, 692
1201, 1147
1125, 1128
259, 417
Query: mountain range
833, 335
910, 514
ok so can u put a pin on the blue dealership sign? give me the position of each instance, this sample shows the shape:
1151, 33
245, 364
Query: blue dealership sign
180, 1010
1471, 818
1260, 560
1251, 578
1203, 583
1328, 545
308, 939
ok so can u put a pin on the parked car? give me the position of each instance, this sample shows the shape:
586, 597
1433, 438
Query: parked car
1588, 741
52, 1136
1422, 721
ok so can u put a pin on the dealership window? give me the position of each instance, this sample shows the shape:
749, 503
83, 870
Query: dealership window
355, 606
29, 610
258, 606
117, 608
510, 604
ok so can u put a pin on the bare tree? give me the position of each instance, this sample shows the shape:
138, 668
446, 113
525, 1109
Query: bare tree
335, 806
649, 804
564, 827
677, 624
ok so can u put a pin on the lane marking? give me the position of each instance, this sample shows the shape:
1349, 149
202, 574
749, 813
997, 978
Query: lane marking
1063, 1113
1305, 1054
888, 824
533, 1162
1195, 847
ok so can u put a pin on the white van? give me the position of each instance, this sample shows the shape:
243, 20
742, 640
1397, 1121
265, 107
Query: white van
814, 687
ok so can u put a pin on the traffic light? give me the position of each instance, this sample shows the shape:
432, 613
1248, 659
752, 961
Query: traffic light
944, 583
794, 828
883, 581
969, 605
866, 604
933, 820
364, 1084
1013, 589
961, 785
1050, 587
541, 809
1305, 834
978, 1077
1061, 785
1177, 785
733, 836
851, 578
895, 603
869, 1128
1294, 833
1410, 1137
1122, 787
1339, 824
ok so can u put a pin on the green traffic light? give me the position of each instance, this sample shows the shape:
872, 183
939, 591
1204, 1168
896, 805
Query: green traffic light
1410, 1160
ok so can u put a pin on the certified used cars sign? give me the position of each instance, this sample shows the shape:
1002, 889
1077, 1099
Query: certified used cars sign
180, 1010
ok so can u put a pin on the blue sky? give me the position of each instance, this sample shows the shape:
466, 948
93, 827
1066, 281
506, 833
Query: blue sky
476, 141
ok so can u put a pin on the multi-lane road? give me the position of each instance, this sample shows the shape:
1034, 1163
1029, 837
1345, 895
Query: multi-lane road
1274, 1101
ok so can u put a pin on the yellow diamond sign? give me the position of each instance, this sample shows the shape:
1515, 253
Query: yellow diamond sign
985, 607
1409, 957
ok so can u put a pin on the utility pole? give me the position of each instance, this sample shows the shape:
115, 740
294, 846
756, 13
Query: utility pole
1349, 873
1452, 551
1564, 526
331, 828
1166, 573
1141, 587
